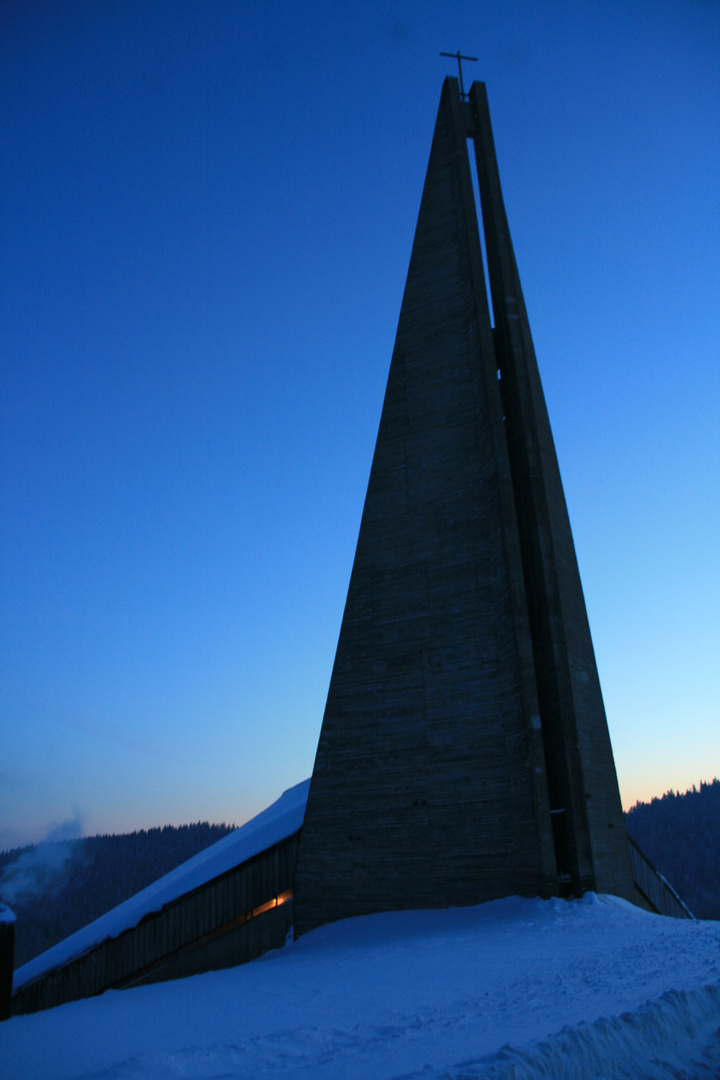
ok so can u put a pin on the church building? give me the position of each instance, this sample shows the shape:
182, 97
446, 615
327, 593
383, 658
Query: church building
464, 754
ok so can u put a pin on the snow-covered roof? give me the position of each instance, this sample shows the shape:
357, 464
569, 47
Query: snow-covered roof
6, 914
283, 818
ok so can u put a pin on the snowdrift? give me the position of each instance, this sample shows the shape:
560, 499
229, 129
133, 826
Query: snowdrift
515, 988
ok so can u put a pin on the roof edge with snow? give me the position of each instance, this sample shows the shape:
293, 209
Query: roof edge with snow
279, 821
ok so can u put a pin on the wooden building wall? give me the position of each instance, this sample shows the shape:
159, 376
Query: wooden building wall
654, 891
232, 919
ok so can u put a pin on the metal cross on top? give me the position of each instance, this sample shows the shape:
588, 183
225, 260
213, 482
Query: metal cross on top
458, 57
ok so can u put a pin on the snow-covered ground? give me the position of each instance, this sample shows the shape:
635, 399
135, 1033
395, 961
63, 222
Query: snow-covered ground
515, 988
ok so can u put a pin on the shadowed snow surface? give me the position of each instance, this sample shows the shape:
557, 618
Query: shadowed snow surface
515, 988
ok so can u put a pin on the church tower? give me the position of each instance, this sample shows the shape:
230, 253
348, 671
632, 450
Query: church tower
464, 753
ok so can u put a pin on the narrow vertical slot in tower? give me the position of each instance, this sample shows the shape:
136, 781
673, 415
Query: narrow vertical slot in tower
470, 147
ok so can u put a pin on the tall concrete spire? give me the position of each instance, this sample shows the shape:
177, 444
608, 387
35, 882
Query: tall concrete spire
464, 752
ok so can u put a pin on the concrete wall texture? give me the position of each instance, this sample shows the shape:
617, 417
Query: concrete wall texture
464, 753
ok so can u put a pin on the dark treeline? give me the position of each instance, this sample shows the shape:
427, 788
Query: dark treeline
680, 834
58, 887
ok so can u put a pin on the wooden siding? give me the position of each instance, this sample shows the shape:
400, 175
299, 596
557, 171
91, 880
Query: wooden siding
232, 919
657, 893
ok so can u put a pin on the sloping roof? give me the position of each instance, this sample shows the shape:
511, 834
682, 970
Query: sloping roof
283, 818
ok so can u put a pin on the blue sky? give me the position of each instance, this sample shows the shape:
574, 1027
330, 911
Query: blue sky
208, 215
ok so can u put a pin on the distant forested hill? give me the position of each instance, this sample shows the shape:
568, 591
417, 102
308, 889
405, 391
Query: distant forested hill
680, 834
56, 888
